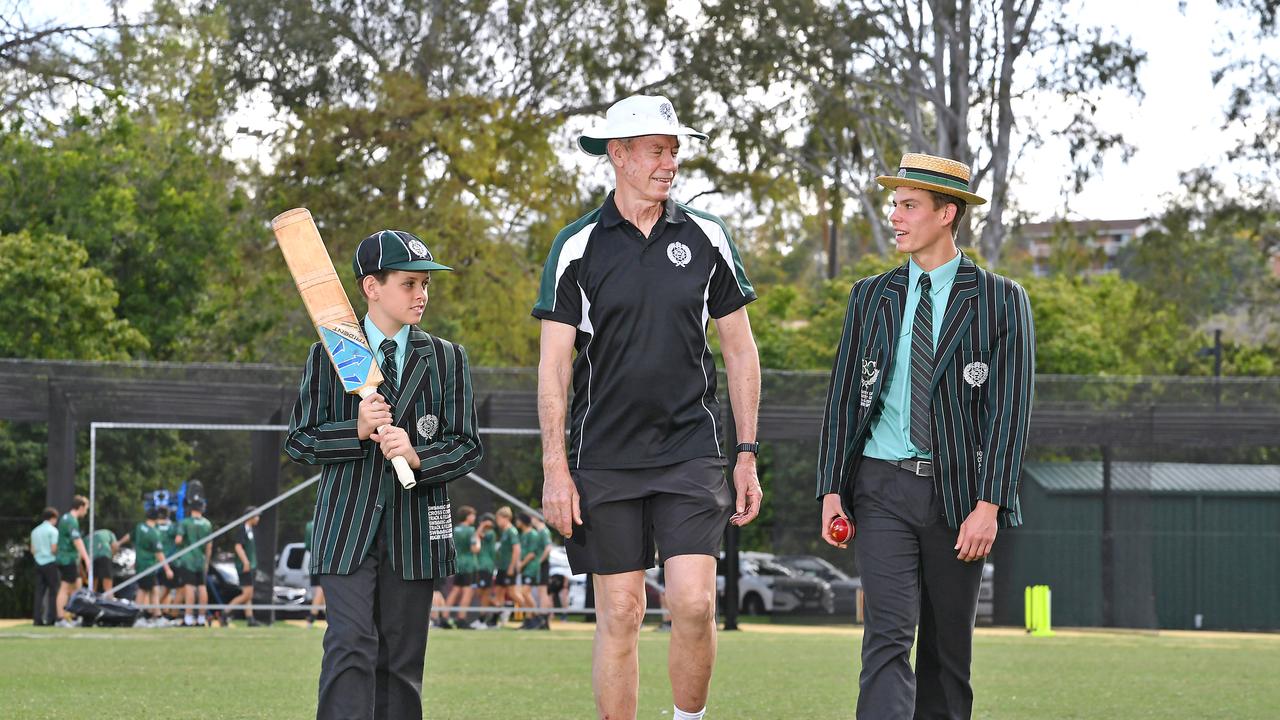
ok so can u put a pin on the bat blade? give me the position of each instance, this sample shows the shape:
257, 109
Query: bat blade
330, 310
326, 300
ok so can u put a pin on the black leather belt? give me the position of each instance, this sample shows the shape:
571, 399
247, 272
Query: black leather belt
919, 468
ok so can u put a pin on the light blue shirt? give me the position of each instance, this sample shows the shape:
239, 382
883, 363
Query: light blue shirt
376, 337
891, 431
43, 538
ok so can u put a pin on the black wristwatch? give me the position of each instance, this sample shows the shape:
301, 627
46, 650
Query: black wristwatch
751, 447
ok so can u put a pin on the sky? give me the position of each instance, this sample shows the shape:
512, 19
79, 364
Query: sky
1175, 127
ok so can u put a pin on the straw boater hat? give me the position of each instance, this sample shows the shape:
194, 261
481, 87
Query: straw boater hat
633, 117
929, 172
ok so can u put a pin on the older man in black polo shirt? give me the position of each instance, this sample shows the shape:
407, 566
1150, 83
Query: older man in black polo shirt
630, 287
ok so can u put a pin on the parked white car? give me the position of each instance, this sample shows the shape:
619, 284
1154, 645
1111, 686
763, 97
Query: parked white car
577, 584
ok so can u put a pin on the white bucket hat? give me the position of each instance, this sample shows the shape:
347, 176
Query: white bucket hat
633, 117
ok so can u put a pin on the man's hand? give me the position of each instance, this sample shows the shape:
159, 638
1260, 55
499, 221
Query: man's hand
395, 442
560, 501
750, 495
374, 413
977, 533
831, 510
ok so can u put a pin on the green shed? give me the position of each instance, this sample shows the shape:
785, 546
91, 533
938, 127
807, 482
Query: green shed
1192, 546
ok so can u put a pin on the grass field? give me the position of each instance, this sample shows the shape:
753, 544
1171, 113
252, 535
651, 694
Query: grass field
763, 672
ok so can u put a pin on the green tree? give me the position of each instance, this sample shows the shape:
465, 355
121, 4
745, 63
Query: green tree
58, 306
139, 198
833, 93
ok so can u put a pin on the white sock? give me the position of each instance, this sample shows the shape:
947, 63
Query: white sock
679, 714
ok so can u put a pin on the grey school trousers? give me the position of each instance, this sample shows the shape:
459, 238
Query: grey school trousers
376, 644
910, 576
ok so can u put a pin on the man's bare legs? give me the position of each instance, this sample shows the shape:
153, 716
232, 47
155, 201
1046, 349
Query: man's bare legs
615, 663
691, 600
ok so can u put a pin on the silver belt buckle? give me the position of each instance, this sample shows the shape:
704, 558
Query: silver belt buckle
921, 465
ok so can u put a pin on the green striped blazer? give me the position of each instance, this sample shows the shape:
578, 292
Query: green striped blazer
358, 490
984, 373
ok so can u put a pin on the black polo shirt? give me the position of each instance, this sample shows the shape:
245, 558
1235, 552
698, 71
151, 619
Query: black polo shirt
644, 380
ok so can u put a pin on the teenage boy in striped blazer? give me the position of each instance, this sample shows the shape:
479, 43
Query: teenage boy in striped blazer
377, 548
922, 441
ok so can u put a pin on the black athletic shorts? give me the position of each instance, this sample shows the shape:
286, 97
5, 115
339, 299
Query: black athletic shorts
683, 509
482, 579
502, 579
173, 583
148, 582
537, 578
101, 568
189, 577
69, 572
464, 579
246, 578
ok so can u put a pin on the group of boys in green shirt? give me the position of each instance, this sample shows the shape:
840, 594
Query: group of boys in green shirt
484, 550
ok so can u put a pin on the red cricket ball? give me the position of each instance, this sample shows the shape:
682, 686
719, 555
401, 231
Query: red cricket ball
839, 529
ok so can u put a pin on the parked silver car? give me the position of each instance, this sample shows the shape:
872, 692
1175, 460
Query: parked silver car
844, 587
766, 586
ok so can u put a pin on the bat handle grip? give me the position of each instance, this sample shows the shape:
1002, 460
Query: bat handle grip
404, 473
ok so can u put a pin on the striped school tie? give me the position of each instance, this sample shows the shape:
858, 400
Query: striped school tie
922, 369
390, 383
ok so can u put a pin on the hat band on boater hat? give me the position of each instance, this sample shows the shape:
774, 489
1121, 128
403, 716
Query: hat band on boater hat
930, 172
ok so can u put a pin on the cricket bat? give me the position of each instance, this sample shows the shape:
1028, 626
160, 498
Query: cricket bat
330, 311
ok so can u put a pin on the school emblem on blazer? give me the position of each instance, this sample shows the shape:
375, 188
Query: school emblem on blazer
427, 426
679, 254
975, 373
869, 374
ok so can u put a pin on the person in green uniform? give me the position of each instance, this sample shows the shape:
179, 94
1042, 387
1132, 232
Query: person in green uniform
467, 545
103, 545
148, 552
169, 584
44, 548
246, 549
194, 566
540, 525
506, 577
317, 592
70, 554
486, 553
530, 570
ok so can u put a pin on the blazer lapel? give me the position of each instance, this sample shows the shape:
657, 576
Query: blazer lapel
415, 371
893, 298
960, 311
883, 333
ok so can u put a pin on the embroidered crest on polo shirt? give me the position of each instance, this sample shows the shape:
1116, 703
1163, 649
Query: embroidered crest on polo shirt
679, 254
427, 425
417, 248
975, 373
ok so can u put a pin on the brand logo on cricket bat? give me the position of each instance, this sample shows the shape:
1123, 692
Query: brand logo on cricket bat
352, 359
